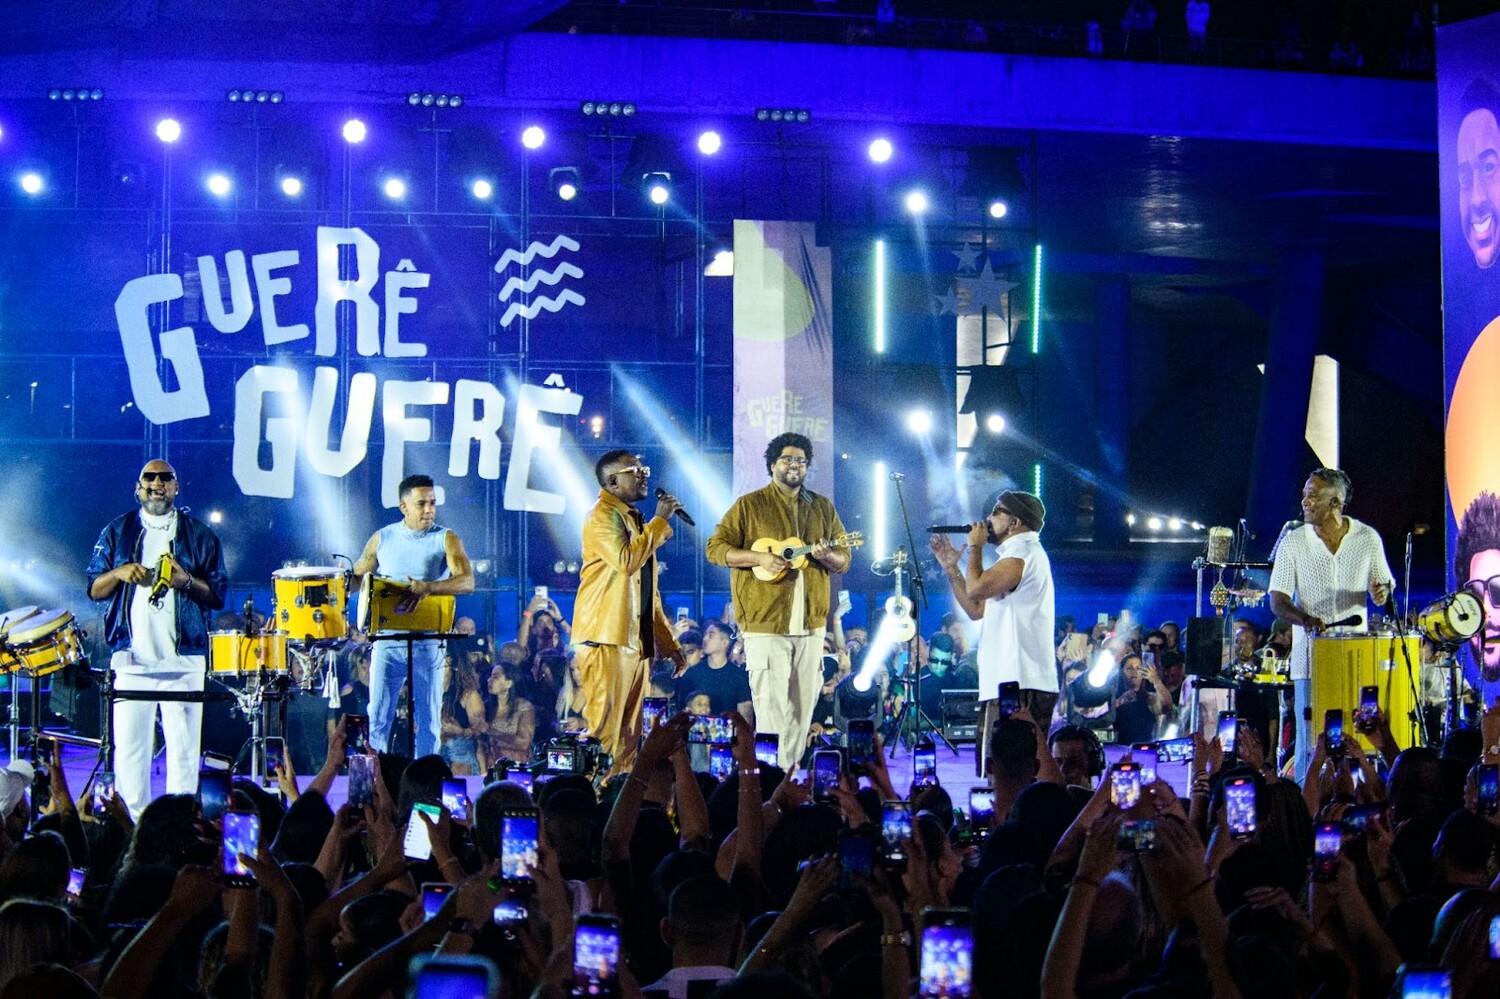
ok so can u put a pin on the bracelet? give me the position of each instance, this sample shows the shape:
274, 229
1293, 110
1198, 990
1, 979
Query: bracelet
1200, 885
902, 939
751, 772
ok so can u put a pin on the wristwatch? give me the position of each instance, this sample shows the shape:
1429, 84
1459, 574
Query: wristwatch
903, 938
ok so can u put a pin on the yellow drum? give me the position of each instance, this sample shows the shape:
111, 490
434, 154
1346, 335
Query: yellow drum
39, 642
1341, 664
310, 602
377, 615
1451, 620
234, 653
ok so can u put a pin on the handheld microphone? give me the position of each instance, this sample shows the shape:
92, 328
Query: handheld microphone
660, 492
163, 581
249, 613
1344, 622
962, 529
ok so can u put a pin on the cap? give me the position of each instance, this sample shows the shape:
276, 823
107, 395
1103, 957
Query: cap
1024, 507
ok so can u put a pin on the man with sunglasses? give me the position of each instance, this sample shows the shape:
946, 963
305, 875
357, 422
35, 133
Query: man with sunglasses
783, 621
618, 621
1476, 568
162, 575
1328, 564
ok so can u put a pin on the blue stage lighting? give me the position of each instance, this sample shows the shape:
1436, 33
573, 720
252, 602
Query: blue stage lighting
168, 130
533, 137
394, 188
218, 184
354, 130
709, 143
32, 183
881, 150
291, 186
482, 189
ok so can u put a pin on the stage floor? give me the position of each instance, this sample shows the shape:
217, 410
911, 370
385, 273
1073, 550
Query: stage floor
955, 772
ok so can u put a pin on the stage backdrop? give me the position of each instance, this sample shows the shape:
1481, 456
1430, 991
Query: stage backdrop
1469, 172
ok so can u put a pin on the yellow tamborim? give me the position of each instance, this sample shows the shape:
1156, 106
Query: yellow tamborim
310, 602
377, 615
1451, 620
234, 653
38, 641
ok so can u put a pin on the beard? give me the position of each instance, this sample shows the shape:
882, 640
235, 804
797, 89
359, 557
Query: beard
156, 507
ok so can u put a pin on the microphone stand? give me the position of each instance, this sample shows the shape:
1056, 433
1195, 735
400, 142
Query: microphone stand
1418, 710
919, 604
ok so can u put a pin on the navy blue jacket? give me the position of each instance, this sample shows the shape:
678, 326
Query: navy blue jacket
196, 549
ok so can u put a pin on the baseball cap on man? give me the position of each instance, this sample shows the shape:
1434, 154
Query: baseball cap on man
1025, 507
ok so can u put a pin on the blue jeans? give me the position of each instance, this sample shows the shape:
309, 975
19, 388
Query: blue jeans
387, 674
1302, 694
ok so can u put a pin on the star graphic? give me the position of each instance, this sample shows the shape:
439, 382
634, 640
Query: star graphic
967, 255
945, 304
985, 290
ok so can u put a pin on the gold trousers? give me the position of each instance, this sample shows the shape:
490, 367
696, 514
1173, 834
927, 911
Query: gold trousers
614, 685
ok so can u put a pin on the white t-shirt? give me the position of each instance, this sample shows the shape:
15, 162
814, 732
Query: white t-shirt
1015, 637
153, 630
1328, 585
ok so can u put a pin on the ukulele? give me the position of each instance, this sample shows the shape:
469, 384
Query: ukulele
898, 607
795, 552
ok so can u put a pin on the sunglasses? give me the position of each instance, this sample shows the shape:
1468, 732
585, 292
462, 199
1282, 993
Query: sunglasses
644, 471
158, 477
1482, 588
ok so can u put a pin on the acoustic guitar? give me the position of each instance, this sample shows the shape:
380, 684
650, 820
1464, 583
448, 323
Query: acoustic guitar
795, 552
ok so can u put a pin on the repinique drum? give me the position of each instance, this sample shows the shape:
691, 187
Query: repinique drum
39, 641
310, 601
234, 653
1451, 620
377, 613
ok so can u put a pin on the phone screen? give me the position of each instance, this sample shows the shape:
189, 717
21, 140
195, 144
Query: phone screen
596, 956
1369, 704
523, 778
1357, 818
826, 764
1145, 755
981, 806
947, 962
924, 763
418, 844
447, 978
861, 742
560, 759
1175, 750
1137, 836
510, 911
682, 613
1125, 785
895, 825
768, 748
1328, 840
540, 591
1239, 801
653, 710
1426, 983
434, 894
76, 877
856, 853
518, 844
213, 793
1488, 780
456, 798
215, 761
1229, 725
275, 757
1333, 731
1010, 698
362, 780
104, 793
721, 762
356, 734
1495, 938
241, 835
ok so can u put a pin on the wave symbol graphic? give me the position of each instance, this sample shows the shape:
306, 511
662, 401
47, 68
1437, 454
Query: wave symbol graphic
548, 250
549, 278
568, 297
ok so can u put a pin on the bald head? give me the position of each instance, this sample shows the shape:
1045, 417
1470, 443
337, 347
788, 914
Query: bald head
156, 487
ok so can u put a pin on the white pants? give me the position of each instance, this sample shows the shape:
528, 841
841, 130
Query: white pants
786, 676
135, 730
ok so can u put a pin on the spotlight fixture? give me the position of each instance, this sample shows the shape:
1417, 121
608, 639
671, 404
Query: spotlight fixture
168, 130
354, 131
880, 150
75, 94
916, 202
482, 189
394, 188
607, 109
31, 182
247, 96
798, 115
291, 186
218, 184
533, 137
995, 423
658, 187
998, 209
564, 181
709, 143
428, 99
919, 421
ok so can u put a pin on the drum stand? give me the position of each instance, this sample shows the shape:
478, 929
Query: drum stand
254, 704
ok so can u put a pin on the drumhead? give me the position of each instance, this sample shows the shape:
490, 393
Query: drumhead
307, 572
13, 617
39, 625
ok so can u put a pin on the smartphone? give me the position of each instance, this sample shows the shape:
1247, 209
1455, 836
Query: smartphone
561, 759
1010, 699
860, 740
104, 793
356, 735
522, 778
275, 756
1125, 784
456, 798
1103, 618
1333, 732
1148, 659
1369, 705
540, 591
1495, 938
924, 763
1328, 840
1229, 727
1425, 983
856, 854
981, 806
45, 747
362, 768
510, 911
768, 748
947, 964
653, 710
721, 762
1357, 818
519, 833
1145, 754
215, 761
895, 825
1175, 750
213, 793
825, 776
452, 976
844, 604
76, 878
596, 956
1137, 836
1239, 802
682, 613
1488, 780
434, 894
241, 835
701, 731
418, 844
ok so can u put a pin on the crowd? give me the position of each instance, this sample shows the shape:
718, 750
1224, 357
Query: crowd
669, 881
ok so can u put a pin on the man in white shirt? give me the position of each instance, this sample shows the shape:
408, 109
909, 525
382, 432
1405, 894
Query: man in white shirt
1328, 564
703, 929
1014, 600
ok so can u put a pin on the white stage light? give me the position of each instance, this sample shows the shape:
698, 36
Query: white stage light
997, 209
218, 185
916, 202
919, 421
709, 143
168, 130
995, 423
395, 188
533, 137
482, 189
881, 150
32, 183
354, 131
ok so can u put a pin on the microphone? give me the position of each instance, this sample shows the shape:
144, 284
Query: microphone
660, 492
949, 528
897, 477
249, 613
1286, 529
163, 581
1344, 622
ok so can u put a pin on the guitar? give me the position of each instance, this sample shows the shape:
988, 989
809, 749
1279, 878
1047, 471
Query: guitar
898, 607
795, 552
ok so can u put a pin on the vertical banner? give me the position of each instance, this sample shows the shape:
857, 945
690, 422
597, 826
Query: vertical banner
1469, 181
783, 347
